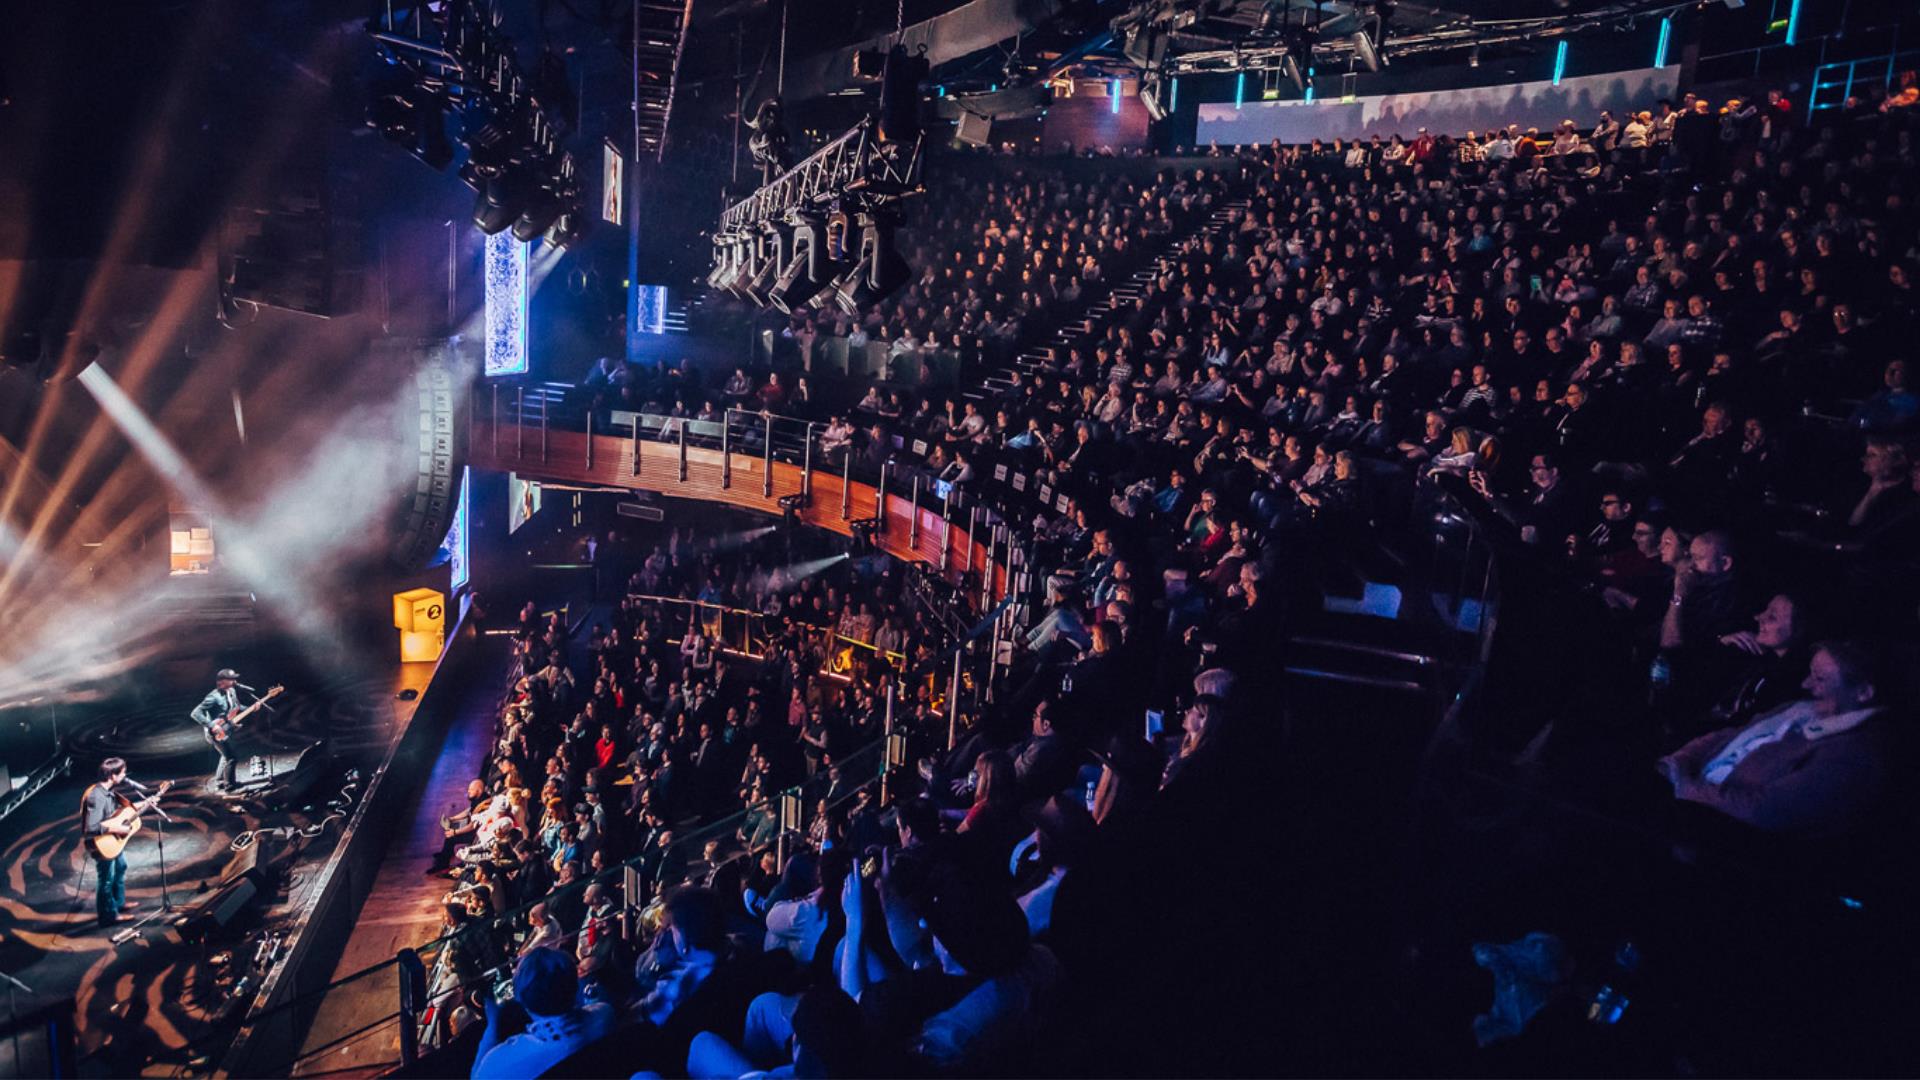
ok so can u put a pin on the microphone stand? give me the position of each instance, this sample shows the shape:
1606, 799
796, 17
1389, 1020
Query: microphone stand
13, 1011
267, 757
166, 893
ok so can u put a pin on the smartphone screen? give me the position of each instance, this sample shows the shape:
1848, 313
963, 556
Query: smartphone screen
1155, 724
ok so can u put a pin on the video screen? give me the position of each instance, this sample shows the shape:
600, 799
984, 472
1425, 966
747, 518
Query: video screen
523, 501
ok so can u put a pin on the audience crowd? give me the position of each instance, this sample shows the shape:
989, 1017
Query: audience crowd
1660, 368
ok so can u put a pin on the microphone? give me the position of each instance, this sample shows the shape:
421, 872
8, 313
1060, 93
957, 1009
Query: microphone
134, 784
247, 688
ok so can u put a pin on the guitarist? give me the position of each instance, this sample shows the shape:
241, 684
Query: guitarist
98, 804
212, 711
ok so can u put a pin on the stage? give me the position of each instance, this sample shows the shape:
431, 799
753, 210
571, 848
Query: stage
169, 1000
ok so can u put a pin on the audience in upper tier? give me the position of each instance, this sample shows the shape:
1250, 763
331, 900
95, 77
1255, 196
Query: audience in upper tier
1659, 365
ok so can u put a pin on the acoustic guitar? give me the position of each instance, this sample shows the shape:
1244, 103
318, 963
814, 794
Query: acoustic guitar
109, 845
221, 729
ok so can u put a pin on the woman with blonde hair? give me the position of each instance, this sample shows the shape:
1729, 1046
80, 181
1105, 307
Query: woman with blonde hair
1460, 457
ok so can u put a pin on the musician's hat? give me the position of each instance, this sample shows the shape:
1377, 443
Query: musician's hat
226, 673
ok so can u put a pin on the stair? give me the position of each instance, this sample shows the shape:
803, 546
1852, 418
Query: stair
1096, 314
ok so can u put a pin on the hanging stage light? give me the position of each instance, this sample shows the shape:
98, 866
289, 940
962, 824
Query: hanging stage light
500, 181
723, 263
1295, 72
455, 59
772, 259
858, 175
543, 209
847, 288
1364, 51
569, 227
500, 201
879, 270
804, 274
548, 202
750, 247
414, 117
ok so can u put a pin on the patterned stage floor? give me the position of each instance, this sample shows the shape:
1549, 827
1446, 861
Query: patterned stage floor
158, 1005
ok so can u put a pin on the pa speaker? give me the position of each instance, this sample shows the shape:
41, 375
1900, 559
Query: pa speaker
428, 511
975, 130
1146, 47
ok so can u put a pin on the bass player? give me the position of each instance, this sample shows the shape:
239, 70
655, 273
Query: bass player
213, 714
97, 809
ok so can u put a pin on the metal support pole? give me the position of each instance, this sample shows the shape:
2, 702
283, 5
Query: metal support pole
913, 516
993, 658
806, 466
846, 489
636, 445
946, 532
726, 450
993, 540
766, 487
589, 440
495, 424
683, 449
886, 746
880, 504
519, 421
953, 703
973, 533
543, 427
986, 575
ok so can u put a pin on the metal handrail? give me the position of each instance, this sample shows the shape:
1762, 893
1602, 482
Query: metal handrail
758, 617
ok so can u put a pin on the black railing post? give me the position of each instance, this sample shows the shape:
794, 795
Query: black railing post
766, 487
913, 516
806, 466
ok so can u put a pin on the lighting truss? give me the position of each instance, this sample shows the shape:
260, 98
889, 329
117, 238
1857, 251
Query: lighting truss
452, 48
1458, 34
856, 171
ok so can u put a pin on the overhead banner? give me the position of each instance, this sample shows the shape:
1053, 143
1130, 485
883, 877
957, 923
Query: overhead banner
613, 185
508, 292
1450, 112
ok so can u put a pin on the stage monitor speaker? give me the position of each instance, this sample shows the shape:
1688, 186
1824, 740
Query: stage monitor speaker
216, 910
975, 130
294, 785
229, 901
291, 775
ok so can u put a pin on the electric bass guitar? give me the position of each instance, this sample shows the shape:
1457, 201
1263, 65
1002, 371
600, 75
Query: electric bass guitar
109, 844
221, 729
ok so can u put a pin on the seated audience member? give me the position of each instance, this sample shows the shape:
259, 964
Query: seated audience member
1762, 668
822, 1035
1814, 766
544, 988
